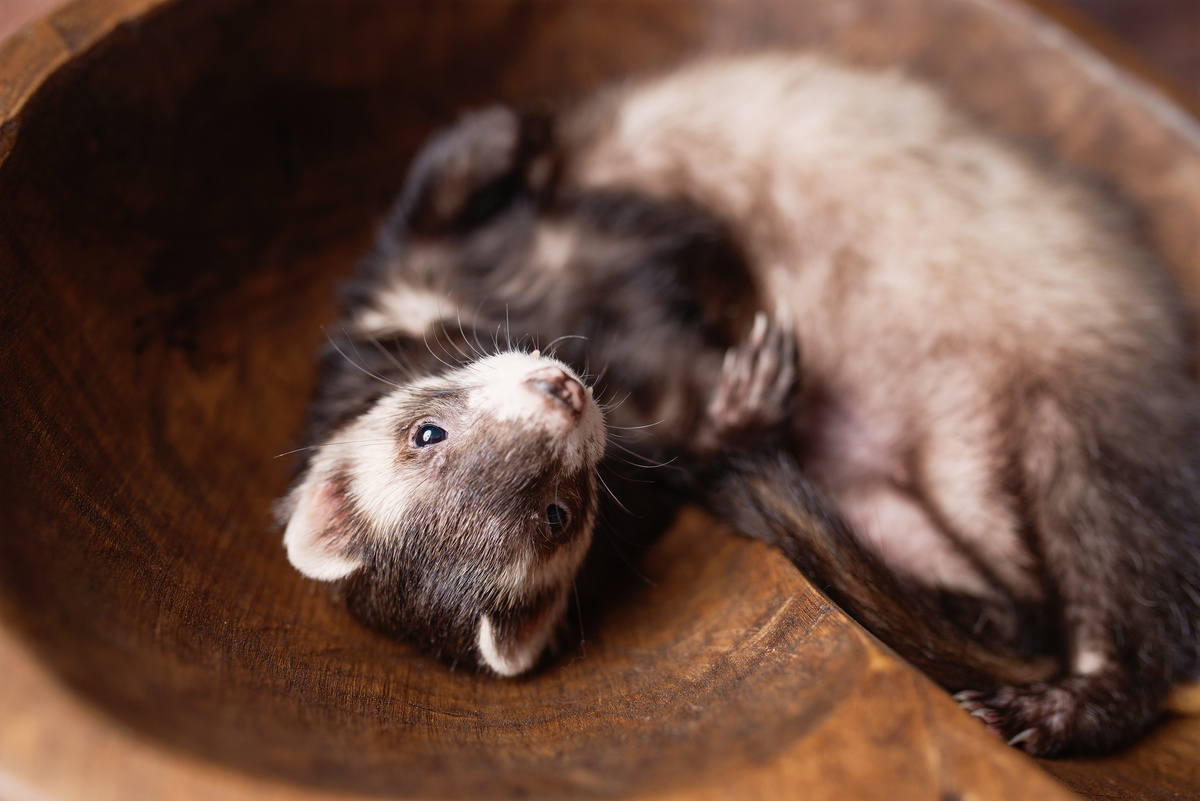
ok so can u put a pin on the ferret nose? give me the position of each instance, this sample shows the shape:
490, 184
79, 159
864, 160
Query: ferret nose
558, 385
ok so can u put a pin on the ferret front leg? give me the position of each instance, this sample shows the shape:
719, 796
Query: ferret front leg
753, 398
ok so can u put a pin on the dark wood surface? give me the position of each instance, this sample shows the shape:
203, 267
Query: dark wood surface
182, 184
1165, 34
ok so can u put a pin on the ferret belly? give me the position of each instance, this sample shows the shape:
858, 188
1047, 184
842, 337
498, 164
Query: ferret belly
907, 435
916, 476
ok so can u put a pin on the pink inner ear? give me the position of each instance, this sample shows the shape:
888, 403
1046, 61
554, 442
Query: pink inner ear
512, 645
320, 529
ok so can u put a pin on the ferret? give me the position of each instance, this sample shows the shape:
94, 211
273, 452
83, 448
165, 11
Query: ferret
939, 373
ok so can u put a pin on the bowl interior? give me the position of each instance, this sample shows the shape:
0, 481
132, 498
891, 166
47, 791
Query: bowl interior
175, 214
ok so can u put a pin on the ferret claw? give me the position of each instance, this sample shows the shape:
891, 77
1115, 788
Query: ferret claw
1023, 736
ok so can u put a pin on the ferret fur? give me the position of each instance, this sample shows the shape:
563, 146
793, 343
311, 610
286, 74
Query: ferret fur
992, 414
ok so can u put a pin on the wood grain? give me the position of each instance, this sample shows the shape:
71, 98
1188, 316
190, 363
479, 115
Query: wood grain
182, 183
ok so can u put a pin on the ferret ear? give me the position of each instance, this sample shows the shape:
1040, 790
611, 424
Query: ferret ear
320, 529
471, 172
511, 644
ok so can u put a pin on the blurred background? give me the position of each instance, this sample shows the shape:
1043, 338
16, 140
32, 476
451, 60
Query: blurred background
1165, 34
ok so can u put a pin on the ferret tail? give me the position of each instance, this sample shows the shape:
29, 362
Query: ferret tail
767, 497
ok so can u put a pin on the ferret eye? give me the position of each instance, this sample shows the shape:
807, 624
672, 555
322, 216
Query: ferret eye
556, 516
429, 434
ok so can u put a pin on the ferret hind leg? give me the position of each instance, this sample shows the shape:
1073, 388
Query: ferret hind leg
1111, 483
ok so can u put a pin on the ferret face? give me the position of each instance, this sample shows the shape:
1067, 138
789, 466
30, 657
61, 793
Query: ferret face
459, 508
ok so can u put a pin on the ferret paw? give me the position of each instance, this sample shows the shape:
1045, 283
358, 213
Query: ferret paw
1037, 718
757, 384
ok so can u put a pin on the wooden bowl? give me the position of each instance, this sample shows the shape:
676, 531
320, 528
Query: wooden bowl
182, 184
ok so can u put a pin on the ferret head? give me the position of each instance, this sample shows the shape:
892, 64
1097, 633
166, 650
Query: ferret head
458, 508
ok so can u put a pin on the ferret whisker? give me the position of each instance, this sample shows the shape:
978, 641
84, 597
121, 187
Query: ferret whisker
475, 332
464, 354
550, 345
475, 354
428, 347
404, 369
625, 478
358, 355
637, 428
323, 444
579, 615
611, 406
647, 465
612, 494
603, 372
358, 365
